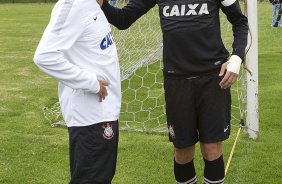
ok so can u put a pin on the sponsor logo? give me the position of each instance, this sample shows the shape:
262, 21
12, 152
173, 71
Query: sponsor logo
171, 131
195, 77
170, 71
217, 63
107, 41
95, 18
225, 129
185, 10
108, 131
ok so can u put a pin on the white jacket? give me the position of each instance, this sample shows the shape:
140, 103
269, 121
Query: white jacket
77, 48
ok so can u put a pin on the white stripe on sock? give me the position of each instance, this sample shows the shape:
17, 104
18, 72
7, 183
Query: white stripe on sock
195, 181
191, 181
207, 181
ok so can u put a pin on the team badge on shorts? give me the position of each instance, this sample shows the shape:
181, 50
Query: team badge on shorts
171, 131
108, 131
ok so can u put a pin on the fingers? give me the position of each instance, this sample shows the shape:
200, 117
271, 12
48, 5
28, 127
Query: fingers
103, 82
100, 98
223, 68
103, 90
229, 79
102, 94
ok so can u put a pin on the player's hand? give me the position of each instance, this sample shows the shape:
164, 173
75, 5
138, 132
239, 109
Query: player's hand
229, 77
231, 69
100, 2
103, 90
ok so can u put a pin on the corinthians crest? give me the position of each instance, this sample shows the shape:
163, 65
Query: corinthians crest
108, 131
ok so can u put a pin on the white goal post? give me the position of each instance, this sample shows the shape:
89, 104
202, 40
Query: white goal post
252, 119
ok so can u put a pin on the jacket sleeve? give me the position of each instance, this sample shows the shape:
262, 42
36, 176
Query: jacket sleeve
123, 18
232, 10
65, 27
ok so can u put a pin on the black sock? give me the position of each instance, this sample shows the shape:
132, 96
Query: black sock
214, 171
185, 173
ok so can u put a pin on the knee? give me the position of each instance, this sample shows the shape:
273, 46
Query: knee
185, 155
211, 151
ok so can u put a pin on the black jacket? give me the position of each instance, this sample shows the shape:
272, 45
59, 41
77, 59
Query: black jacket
191, 31
275, 1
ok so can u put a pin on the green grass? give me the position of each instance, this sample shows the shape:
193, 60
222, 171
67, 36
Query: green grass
31, 152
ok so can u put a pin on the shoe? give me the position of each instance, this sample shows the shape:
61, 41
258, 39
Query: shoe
275, 25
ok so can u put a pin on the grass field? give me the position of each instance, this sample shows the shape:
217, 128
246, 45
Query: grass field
33, 153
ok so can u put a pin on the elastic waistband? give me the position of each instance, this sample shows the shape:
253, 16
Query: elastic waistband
192, 76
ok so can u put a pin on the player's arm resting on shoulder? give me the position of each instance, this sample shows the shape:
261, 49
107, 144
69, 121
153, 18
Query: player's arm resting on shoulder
123, 18
50, 58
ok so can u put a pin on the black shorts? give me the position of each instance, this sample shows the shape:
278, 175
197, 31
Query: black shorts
93, 153
197, 110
